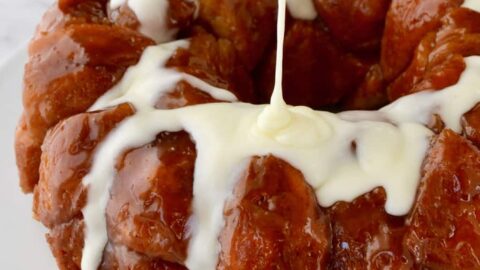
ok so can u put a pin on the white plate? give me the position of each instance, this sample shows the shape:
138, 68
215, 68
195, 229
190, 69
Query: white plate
22, 239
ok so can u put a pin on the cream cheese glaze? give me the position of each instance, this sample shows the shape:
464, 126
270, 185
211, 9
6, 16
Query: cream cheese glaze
302, 9
276, 116
227, 135
472, 4
152, 15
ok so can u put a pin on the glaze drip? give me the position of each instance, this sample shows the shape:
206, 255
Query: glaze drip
276, 116
302, 9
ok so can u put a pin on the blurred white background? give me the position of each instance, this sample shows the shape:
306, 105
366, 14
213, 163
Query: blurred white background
18, 19
22, 241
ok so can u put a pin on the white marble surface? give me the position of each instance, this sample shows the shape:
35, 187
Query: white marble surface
18, 19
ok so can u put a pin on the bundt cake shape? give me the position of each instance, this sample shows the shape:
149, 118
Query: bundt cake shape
144, 150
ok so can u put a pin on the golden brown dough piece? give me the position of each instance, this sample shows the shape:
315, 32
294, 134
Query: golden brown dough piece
151, 198
356, 24
471, 125
366, 237
438, 60
273, 221
60, 196
407, 23
318, 79
444, 231
180, 15
344, 39
248, 24
72, 62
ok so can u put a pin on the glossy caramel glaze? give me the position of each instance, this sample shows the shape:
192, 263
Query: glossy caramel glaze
438, 60
357, 24
248, 24
366, 237
471, 125
273, 221
149, 207
356, 54
60, 196
324, 64
407, 23
74, 59
443, 231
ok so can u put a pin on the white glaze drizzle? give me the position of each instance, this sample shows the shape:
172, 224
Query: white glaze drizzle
141, 85
472, 4
302, 9
152, 15
150, 80
390, 145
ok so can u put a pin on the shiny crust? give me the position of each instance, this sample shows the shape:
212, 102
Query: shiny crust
273, 221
